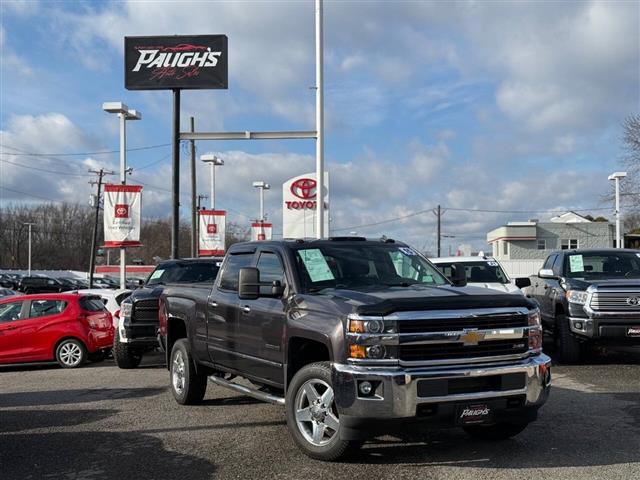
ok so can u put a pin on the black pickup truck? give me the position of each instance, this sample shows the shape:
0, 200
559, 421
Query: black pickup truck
589, 297
137, 331
354, 336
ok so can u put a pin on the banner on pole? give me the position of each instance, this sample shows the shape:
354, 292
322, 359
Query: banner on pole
212, 233
299, 206
261, 231
122, 215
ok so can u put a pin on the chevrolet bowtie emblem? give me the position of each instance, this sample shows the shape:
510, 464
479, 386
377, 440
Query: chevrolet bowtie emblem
471, 337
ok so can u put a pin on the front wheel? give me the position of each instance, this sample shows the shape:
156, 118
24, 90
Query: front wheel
312, 415
71, 353
125, 356
188, 387
500, 431
568, 346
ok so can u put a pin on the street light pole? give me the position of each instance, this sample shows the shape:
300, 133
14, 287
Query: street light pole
29, 225
616, 176
124, 114
262, 186
320, 233
213, 162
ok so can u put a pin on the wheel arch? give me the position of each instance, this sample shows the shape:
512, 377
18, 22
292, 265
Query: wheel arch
176, 329
302, 351
67, 337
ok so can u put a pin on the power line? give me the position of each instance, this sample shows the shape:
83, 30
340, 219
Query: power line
79, 154
57, 172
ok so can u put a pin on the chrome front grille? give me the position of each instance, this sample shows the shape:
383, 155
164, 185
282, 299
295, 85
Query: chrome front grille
619, 300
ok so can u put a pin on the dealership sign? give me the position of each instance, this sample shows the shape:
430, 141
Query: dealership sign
122, 215
212, 232
261, 231
175, 62
299, 206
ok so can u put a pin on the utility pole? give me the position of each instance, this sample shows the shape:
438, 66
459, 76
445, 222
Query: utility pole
101, 173
320, 233
29, 224
438, 213
194, 213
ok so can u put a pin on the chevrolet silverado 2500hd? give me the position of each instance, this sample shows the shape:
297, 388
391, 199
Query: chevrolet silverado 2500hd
352, 336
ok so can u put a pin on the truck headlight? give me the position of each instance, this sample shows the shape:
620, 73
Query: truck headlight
125, 310
357, 325
576, 296
535, 331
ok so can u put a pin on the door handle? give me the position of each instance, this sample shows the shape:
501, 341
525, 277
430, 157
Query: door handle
213, 304
246, 309
545, 287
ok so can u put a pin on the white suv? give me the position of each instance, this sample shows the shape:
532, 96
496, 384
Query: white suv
482, 272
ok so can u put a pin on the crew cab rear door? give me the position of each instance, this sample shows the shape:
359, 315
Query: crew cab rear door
261, 324
222, 310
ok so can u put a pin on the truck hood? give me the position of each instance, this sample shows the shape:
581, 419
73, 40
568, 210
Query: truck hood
142, 293
383, 301
581, 284
501, 287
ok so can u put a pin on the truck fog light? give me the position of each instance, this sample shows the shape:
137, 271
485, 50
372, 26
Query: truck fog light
357, 351
375, 351
365, 388
578, 325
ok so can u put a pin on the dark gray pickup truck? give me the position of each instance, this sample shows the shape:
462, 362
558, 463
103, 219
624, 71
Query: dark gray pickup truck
354, 337
589, 297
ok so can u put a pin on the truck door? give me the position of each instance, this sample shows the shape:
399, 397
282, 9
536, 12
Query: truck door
222, 310
538, 285
261, 323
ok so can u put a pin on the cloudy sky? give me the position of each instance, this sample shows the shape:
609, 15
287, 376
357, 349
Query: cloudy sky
495, 110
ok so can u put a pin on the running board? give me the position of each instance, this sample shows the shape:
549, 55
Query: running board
265, 397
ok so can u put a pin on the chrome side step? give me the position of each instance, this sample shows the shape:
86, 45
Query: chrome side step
265, 397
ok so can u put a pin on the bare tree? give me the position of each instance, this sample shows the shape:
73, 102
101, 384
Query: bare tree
630, 187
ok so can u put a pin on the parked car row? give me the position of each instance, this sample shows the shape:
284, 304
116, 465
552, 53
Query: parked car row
47, 284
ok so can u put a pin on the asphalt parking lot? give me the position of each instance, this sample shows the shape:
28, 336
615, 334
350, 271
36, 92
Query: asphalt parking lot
101, 422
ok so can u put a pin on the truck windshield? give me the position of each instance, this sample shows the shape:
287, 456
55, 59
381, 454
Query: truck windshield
603, 265
477, 272
354, 266
184, 272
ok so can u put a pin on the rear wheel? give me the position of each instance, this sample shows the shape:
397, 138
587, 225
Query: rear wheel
500, 431
71, 353
568, 346
188, 387
125, 356
312, 415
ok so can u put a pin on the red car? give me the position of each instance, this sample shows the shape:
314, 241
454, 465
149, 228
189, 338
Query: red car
66, 327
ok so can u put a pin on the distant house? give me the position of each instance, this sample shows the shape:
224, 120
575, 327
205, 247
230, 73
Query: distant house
534, 240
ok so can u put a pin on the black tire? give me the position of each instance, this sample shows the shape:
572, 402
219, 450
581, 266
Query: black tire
98, 356
331, 448
569, 348
497, 432
71, 353
125, 356
187, 387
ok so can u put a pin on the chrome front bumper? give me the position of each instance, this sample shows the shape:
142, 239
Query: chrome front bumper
396, 395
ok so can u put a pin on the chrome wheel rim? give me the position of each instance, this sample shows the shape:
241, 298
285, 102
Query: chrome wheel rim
316, 413
70, 354
177, 372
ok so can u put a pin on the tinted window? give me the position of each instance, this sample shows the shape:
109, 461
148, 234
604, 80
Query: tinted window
41, 308
367, 265
229, 279
270, 270
477, 272
92, 304
184, 272
557, 265
549, 262
10, 311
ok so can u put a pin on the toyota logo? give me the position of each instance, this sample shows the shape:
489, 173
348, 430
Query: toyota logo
304, 188
633, 301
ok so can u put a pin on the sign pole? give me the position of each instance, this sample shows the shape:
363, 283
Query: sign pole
123, 181
175, 181
320, 233
194, 218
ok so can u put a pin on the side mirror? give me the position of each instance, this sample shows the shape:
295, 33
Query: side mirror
277, 289
458, 275
249, 283
523, 282
547, 273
